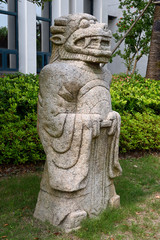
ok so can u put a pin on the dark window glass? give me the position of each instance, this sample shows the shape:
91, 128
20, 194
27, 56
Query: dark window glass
0, 60
88, 6
7, 32
42, 36
38, 29
3, 37
39, 62
48, 59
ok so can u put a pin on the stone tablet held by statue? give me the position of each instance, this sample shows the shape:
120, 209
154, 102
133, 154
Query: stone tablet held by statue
77, 127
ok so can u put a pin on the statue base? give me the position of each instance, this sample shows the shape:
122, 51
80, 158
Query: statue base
67, 210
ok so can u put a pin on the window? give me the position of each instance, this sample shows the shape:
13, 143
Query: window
8, 36
88, 7
43, 23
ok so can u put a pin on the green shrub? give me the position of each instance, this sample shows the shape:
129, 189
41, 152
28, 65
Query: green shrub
135, 98
138, 101
19, 141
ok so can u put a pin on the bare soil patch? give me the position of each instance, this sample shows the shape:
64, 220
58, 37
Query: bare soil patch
7, 170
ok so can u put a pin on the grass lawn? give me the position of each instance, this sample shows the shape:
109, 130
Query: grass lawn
138, 217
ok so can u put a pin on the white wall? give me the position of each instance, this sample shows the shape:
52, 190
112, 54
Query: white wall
27, 36
142, 65
76, 6
59, 8
65, 7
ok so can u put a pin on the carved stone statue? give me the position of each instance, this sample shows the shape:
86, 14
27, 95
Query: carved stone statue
76, 124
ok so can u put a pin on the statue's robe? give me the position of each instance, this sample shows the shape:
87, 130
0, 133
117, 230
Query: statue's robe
81, 160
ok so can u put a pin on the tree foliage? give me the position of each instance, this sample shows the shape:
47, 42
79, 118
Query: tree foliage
3, 37
3, 32
136, 44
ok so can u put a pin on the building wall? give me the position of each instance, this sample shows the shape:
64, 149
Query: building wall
104, 10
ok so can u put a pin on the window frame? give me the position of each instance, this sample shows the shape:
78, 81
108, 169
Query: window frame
45, 55
7, 51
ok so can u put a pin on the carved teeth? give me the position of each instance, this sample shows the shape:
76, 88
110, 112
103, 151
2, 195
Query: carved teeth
87, 42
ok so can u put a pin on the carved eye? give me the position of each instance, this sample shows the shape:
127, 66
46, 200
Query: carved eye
84, 23
92, 22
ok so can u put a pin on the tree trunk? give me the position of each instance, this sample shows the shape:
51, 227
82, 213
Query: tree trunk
153, 68
134, 66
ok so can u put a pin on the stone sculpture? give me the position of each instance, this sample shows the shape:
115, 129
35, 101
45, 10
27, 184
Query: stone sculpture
76, 124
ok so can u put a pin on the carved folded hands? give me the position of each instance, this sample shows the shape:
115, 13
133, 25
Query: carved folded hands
112, 122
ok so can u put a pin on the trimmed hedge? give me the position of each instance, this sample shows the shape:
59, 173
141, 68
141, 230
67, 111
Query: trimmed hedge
135, 98
19, 141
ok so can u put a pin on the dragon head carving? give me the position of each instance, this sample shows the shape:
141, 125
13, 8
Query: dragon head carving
80, 37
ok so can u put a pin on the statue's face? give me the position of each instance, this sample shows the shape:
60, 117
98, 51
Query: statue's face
81, 37
90, 39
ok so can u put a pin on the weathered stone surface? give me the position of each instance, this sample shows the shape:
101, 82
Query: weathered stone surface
76, 124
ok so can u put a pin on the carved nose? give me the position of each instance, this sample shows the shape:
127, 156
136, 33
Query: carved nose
103, 26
